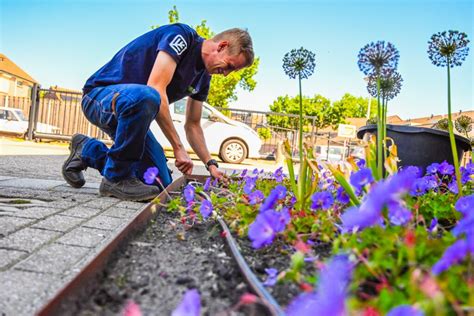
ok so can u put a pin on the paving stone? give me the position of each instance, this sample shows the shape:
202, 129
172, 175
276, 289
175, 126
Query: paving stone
9, 256
101, 203
58, 223
85, 237
27, 239
6, 178
31, 183
10, 224
129, 204
17, 192
81, 211
33, 212
104, 222
63, 204
82, 198
54, 258
66, 188
49, 195
23, 293
120, 212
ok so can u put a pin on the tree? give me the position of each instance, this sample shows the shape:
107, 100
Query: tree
356, 106
222, 89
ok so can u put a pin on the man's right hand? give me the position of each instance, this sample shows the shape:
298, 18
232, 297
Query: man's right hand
183, 162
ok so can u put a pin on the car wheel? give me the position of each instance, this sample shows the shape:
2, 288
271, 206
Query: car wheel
233, 151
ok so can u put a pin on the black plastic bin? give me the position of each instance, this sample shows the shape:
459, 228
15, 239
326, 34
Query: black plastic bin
420, 146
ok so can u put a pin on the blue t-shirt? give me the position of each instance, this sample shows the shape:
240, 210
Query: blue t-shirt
134, 62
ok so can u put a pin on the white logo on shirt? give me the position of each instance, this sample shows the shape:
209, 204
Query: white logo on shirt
178, 44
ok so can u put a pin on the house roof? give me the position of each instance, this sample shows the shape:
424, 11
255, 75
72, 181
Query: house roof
8, 66
433, 119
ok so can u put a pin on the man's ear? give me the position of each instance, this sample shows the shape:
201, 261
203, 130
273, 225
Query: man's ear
222, 45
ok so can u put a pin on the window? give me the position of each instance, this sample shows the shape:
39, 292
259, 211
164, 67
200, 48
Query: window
3, 115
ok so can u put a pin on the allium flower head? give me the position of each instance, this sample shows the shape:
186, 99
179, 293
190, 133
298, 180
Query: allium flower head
450, 45
299, 62
377, 57
150, 175
390, 84
190, 304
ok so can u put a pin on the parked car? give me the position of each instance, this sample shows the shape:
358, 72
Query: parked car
14, 121
232, 141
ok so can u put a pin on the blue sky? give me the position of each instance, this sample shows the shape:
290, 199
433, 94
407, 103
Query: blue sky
64, 42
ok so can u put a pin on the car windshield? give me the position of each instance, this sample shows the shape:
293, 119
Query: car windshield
20, 115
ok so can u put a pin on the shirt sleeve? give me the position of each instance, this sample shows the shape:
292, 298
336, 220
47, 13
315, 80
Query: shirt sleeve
201, 95
175, 42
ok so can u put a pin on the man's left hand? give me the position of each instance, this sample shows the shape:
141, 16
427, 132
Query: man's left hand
215, 173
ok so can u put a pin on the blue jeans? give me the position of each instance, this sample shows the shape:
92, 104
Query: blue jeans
124, 112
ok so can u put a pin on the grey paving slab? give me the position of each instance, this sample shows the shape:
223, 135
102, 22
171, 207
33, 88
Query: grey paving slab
82, 212
82, 197
101, 202
23, 293
58, 223
32, 212
17, 192
63, 204
5, 178
31, 183
27, 239
129, 204
10, 224
85, 237
53, 259
120, 212
66, 188
8, 257
104, 222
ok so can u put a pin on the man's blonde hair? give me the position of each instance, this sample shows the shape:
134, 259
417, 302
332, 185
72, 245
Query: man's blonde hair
239, 42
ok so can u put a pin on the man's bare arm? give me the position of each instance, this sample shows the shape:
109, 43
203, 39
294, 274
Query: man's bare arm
160, 77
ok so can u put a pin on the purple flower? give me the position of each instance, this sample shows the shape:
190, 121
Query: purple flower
369, 213
405, 310
342, 196
284, 218
189, 193
465, 205
150, 175
279, 175
263, 230
360, 163
256, 197
433, 168
431, 181
272, 277
244, 172
190, 304
250, 184
414, 169
445, 168
330, 297
322, 200
279, 192
375, 57
255, 171
452, 186
206, 208
465, 175
292, 201
453, 255
398, 214
448, 47
433, 225
207, 184
360, 178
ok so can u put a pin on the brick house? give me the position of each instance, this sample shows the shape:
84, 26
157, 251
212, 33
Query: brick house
14, 81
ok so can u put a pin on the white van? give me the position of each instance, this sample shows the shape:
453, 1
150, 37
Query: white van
14, 121
232, 141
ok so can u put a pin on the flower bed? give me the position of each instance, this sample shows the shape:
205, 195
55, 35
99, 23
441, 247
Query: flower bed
406, 247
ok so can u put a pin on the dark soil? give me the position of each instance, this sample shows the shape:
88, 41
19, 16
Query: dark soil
158, 266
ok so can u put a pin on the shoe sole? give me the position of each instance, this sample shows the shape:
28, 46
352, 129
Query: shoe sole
108, 192
72, 150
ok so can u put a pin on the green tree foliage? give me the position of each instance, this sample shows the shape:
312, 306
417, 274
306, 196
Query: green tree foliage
356, 106
264, 133
223, 89
317, 106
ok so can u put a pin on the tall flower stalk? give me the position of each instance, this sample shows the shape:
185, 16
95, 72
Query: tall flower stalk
449, 49
300, 63
377, 60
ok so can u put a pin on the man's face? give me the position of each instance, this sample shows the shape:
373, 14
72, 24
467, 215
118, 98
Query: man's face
222, 63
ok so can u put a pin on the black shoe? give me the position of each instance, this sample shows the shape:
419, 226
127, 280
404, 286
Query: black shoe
128, 189
73, 166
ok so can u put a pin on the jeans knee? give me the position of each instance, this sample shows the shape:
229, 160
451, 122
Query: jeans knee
150, 100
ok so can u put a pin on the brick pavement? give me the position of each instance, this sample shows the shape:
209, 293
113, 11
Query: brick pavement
48, 232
